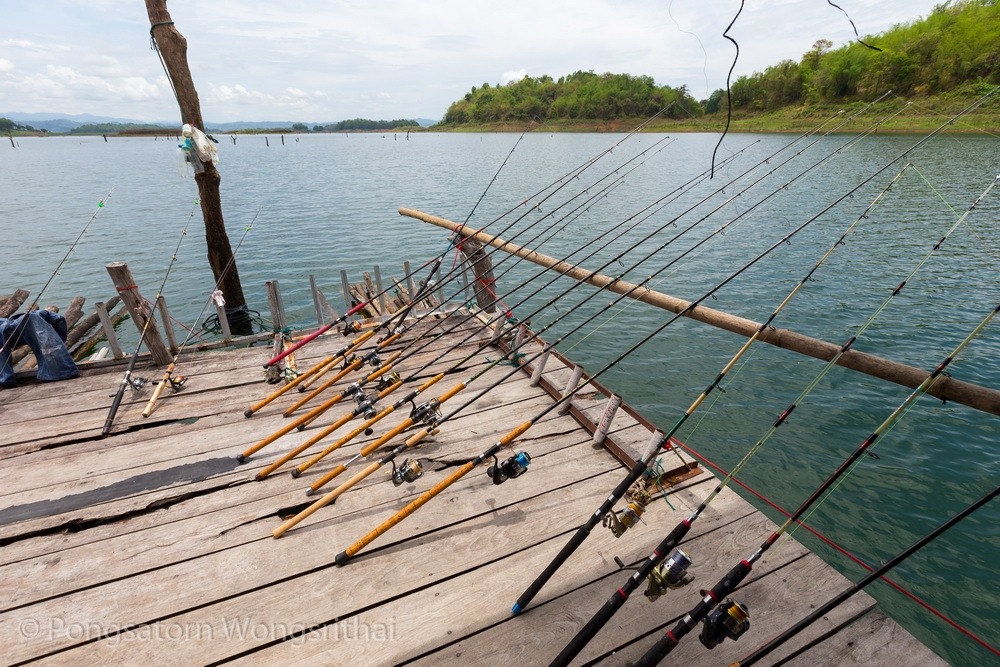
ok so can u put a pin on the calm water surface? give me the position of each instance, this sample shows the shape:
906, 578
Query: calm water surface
328, 202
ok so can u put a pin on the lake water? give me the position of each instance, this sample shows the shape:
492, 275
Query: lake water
328, 202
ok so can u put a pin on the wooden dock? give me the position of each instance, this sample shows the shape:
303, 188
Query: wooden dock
153, 545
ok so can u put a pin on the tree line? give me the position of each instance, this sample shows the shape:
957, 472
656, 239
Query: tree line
956, 47
581, 95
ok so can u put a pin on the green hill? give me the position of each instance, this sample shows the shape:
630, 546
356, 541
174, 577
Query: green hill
951, 55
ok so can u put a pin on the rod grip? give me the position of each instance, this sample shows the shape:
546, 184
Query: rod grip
159, 390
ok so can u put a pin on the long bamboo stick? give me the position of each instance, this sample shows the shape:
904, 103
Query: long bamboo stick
947, 389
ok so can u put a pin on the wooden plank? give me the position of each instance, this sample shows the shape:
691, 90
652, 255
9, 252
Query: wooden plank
246, 569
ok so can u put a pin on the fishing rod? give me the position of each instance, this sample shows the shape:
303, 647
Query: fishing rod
410, 422
426, 285
566, 179
721, 189
343, 557
671, 541
330, 497
127, 381
577, 211
873, 576
168, 379
366, 407
14, 339
454, 273
731, 618
422, 413
634, 512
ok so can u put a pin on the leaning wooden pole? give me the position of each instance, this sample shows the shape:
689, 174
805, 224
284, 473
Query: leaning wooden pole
947, 389
172, 48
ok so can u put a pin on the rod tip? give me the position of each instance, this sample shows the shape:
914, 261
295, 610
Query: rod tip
516, 609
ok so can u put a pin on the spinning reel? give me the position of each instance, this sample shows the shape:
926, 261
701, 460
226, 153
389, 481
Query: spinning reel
638, 497
351, 328
515, 466
670, 574
730, 619
409, 471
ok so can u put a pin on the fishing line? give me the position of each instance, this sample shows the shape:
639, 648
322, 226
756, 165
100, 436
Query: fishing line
672, 539
376, 417
729, 76
837, 600
167, 378
731, 580
127, 381
856, 35
984, 243
675, 536
13, 341
343, 557
453, 273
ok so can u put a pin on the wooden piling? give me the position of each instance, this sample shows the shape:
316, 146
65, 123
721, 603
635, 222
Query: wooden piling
124, 282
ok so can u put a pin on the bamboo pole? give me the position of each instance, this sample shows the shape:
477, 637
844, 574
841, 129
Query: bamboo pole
947, 389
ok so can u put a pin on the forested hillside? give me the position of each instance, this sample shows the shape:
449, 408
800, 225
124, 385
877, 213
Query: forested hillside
955, 49
957, 46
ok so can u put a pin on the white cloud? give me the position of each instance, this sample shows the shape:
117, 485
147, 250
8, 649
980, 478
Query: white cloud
392, 59
512, 75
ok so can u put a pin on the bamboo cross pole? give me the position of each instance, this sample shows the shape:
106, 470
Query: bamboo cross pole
947, 389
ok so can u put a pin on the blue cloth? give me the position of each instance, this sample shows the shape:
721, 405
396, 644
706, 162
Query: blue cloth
45, 333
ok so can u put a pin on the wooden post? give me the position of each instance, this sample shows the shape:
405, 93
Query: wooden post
536, 375
574, 382
124, 282
346, 286
604, 425
482, 271
168, 325
380, 292
10, 304
172, 48
410, 285
220, 312
315, 293
109, 329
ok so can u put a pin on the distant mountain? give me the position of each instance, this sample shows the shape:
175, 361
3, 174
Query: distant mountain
61, 122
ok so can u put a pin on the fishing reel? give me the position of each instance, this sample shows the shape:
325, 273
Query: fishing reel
366, 407
408, 472
669, 575
137, 383
515, 466
373, 359
387, 381
351, 328
730, 619
426, 413
638, 497
177, 381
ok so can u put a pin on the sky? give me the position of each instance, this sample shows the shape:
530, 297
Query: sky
331, 60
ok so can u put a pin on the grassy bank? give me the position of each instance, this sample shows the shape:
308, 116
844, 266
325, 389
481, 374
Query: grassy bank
918, 115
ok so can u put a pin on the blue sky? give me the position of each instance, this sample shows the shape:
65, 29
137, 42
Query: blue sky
328, 61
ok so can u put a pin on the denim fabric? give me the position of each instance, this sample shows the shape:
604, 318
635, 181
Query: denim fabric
45, 333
